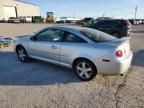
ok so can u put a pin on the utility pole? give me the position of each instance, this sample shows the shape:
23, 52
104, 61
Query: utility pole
135, 12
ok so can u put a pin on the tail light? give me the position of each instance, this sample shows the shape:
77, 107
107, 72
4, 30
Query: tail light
119, 53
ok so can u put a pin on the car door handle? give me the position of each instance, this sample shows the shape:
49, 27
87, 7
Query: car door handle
53, 47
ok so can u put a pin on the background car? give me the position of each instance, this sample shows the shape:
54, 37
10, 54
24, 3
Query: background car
137, 21
142, 21
60, 21
13, 20
29, 19
132, 21
5, 41
116, 27
22, 19
86, 22
80, 22
89, 52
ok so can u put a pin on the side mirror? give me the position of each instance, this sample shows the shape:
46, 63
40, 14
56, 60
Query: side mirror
33, 38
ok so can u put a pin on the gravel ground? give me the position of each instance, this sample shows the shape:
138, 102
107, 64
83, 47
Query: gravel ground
43, 85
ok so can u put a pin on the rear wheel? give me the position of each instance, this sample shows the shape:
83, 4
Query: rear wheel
22, 54
85, 69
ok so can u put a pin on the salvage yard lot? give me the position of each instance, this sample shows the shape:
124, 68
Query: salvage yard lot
43, 85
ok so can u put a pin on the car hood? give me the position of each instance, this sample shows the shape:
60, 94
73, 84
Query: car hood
22, 38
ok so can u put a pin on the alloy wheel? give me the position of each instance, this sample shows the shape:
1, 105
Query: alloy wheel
84, 70
22, 54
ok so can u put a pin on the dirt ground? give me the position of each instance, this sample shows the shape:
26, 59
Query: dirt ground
42, 85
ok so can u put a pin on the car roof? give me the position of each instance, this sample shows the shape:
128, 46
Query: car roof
70, 27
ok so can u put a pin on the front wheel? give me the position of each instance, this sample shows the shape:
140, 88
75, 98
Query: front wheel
22, 54
85, 70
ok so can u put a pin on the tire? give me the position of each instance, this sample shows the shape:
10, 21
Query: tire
116, 34
85, 70
22, 54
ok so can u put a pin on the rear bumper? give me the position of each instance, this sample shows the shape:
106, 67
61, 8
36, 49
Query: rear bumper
115, 67
123, 65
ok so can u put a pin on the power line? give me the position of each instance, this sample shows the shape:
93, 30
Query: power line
107, 9
124, 11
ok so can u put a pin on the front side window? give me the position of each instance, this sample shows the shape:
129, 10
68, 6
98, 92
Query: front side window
49, 35
113, 23
101, 24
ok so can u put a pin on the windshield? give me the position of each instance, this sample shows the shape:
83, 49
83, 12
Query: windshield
96, 36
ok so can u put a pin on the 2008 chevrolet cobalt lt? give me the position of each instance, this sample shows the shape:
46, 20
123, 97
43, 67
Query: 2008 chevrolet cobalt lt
89, 52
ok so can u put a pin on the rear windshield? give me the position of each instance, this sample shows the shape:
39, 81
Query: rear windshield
96, 36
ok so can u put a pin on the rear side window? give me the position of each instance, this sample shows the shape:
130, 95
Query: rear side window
99, 24
72, 38
102, 23
113, 23
96, 36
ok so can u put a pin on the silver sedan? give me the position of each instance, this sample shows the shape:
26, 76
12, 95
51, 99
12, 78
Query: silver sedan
89, 52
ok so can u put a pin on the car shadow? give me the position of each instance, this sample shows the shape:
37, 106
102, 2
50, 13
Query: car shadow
13, 72
138, 58
35, 73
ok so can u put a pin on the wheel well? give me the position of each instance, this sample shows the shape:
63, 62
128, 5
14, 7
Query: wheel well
82, 58
18, 46
116, 32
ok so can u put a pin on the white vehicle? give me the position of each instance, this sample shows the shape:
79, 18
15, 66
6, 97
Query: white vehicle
28, 19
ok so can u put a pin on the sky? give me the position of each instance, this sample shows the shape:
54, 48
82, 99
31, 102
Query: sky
91, 8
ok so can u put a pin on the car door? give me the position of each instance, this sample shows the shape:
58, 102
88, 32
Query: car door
46, 45
70, 46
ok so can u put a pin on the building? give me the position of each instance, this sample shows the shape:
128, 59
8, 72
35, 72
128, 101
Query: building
17, 8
